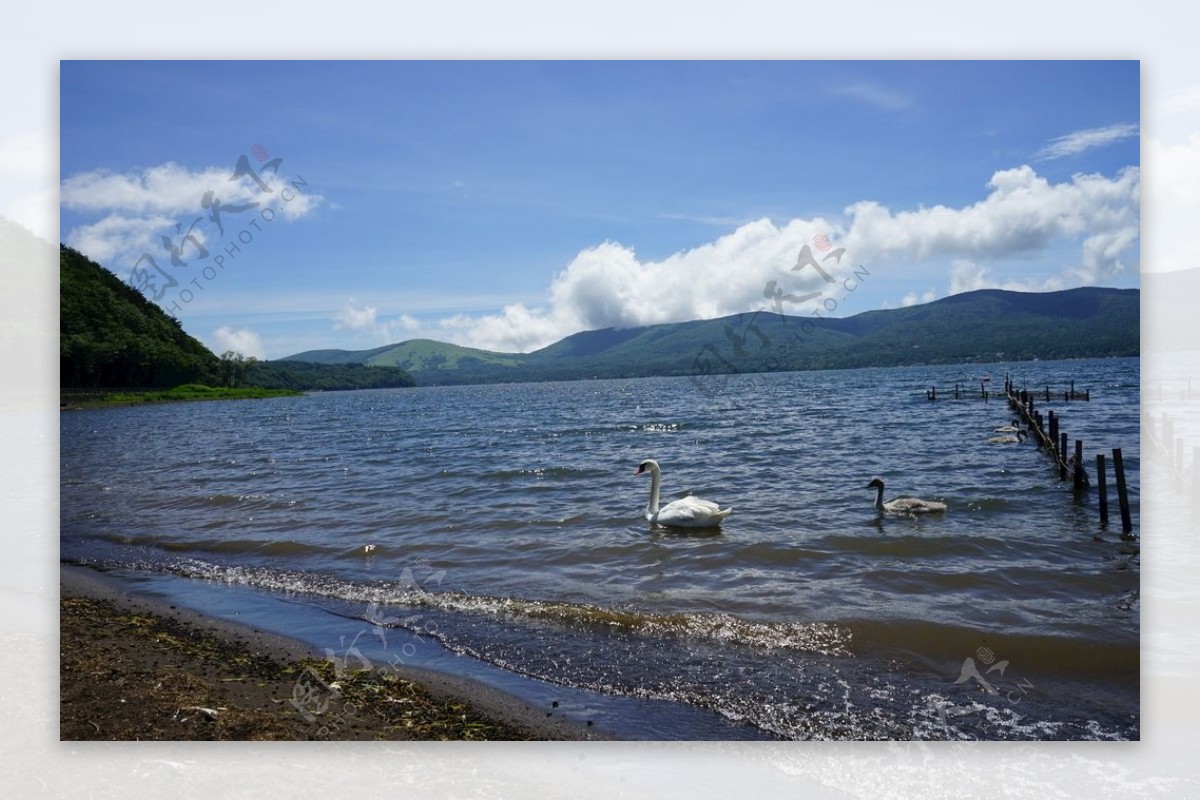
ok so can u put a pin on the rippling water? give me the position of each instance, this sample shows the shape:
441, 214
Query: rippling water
505, 522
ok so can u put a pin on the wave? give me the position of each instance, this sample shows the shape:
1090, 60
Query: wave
713, 627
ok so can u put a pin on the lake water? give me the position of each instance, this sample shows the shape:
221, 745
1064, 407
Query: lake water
498, 531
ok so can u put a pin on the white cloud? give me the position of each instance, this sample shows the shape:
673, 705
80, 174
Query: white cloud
873, 94
354, 318
365, 319
116, 234
140, 206
608, 286
967, 276
1079, 141
241, 340
913, 298
1023, 215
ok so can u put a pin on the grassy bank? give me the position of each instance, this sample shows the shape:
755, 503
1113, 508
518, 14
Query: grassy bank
185, 392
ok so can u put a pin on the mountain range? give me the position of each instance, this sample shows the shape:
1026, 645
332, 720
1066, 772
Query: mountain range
980, 326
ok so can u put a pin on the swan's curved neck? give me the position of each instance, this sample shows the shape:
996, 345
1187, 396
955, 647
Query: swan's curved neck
879, 498
654, 482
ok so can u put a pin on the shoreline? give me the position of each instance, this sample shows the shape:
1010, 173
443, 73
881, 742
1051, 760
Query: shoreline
136, 668
102, 399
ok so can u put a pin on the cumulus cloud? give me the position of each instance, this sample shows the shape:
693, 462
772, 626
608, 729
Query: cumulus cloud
913, 298
137, 207
609, 286
1079, 141
1023, 215
967, 276
240, 340
365, 320
118, 234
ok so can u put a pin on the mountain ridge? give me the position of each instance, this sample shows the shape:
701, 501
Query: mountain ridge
981, 325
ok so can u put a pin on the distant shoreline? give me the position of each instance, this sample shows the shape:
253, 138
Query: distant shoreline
73, 400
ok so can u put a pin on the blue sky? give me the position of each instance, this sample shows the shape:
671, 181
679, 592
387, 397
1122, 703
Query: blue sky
507, 204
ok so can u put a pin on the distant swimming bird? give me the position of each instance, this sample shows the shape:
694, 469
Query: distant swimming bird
1010, 429
689, 512
1008, 439
902, 505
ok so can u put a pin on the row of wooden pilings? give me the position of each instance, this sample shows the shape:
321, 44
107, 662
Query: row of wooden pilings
1054, 441
961, 392
1172, 447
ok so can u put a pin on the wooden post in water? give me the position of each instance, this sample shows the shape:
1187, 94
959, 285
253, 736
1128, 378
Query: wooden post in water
1079, 464
1053, 427
1102, 479
1047, 393
1062, 457
1179, 465
1122, 493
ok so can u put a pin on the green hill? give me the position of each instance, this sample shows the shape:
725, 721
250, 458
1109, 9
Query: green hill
985, 325
112, 336
282, 374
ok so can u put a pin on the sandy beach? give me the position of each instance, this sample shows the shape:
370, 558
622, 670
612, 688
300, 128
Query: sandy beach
134, 668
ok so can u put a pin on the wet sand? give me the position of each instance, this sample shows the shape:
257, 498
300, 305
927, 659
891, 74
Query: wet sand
135, 668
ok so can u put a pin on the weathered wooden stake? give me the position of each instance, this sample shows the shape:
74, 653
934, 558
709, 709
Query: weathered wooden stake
1079, 464
1122, 493
1062, 457
1179, 465
1102, 481
1053, 427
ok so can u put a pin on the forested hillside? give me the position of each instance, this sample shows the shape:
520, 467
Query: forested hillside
112, 336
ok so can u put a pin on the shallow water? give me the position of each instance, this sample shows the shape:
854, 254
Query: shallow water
504, 523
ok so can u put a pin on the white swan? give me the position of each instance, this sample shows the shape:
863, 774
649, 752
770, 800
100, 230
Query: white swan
1008, 439
1010, 429
902, 505
689, 512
